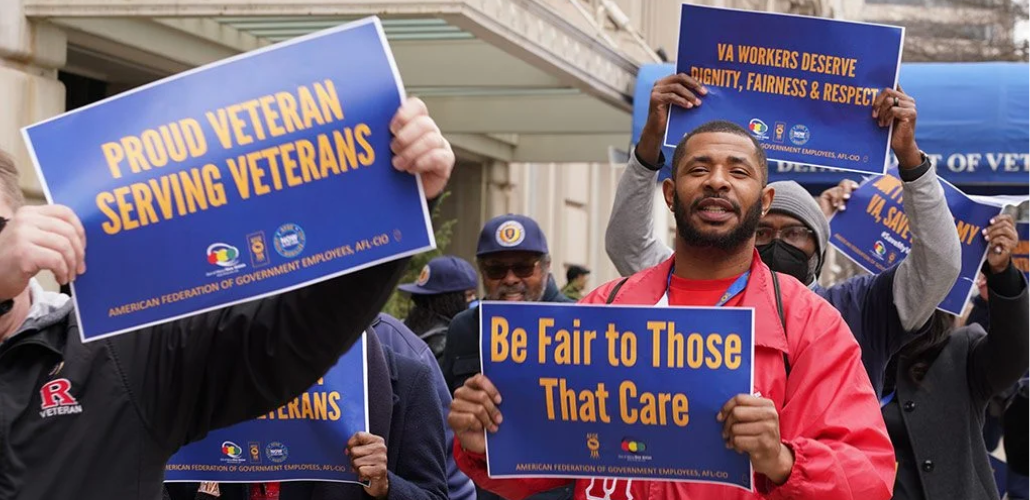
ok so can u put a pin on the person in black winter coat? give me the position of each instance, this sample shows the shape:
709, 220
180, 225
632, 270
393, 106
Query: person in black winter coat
939, 384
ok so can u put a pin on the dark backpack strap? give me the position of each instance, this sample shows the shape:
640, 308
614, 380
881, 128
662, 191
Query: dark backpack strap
783, 319
615, 291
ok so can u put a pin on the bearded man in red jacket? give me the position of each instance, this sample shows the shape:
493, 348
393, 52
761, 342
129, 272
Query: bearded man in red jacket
813, 429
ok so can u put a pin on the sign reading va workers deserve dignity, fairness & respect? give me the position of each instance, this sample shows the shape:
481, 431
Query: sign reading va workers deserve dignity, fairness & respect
247, 177
304, 440
803, 86
875, 232
622, 392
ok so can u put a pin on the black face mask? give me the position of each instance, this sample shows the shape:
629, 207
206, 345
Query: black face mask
785, 258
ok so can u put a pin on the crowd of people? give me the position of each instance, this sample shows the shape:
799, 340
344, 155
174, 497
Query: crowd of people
862, 390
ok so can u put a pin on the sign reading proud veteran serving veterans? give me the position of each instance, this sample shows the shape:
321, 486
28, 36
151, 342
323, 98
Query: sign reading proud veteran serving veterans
875, 232
304, 440
248, 177
803, 86
619, 392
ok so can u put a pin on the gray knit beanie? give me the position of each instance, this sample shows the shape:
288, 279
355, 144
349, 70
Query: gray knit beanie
792, 199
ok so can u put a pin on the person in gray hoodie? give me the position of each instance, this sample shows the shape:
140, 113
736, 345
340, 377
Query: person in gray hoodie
884, 311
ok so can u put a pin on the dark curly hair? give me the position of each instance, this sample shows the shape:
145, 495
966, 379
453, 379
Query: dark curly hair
429, 309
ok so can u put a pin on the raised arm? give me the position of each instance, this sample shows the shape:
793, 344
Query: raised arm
926, 276
630, 238
997, 360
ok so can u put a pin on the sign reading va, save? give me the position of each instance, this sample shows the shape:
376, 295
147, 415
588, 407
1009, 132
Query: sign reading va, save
241, 179
304, 440
621, 392
875, 233
803, 86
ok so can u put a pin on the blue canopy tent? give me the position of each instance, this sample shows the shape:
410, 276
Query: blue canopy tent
973, 120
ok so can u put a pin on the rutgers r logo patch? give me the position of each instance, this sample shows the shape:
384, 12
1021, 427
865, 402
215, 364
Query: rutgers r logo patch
57, 399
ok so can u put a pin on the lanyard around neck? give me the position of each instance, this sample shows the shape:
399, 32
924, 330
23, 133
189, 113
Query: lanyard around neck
734, 289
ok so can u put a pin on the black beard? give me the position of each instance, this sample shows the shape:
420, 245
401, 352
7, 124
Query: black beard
731, 241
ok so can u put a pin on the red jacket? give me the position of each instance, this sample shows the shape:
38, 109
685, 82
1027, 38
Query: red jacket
828, 412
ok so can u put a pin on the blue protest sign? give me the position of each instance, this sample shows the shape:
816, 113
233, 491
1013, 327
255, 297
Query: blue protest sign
244, 178
875, 233
803, 86
980, 140
620, 392
303, 440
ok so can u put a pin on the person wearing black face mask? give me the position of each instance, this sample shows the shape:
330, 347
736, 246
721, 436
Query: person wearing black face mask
884, 311
792, 237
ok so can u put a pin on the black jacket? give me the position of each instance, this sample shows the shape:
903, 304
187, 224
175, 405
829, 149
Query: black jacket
144, 395
944, 414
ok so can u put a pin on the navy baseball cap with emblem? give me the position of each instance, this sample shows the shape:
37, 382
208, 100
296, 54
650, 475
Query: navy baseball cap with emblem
511, 232
443, 275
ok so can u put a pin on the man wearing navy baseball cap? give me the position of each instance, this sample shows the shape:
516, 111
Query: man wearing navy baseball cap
515, 265
444, 288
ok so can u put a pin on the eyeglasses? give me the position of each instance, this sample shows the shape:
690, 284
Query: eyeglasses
500, 271
795, 235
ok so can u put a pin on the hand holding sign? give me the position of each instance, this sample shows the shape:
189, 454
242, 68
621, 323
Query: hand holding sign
897, 107
679, 89
835, 198
1002, 238
473, 409
368, 457
751, 425
38, 238
420, 148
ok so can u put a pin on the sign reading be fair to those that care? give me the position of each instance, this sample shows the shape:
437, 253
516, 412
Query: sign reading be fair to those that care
237, 180
623, 392
804, 87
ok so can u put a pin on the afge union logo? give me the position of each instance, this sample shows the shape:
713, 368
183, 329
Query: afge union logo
423, 277
779, 129
258, 249
510, 234
222, 254
254, 448
594, 445
289, 240
758, 128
